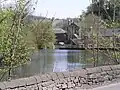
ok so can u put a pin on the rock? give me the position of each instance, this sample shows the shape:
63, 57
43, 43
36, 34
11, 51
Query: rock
64, 86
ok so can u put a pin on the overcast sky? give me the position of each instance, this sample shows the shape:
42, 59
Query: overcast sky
61, 8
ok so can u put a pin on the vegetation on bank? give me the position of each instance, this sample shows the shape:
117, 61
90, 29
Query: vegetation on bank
44, 36
102, 15
18, 38
13, 47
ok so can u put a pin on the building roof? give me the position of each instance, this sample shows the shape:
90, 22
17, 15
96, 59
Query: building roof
59, 30
110, 32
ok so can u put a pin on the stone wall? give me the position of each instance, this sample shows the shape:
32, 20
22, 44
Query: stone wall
76, 80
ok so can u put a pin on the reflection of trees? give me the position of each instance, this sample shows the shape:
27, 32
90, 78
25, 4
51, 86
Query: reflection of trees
41, 62
73, 59
73, 56
84, 58
49, 60
88, 58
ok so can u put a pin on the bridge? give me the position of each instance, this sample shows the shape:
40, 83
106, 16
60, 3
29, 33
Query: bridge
81, 79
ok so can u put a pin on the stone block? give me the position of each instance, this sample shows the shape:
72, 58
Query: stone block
2, 86
79, 84
50, 89
103, 73
93, 70
117, 76
106, 68
72, 78
35, 87
98, 69
49, 76
64, 86
16, 89
110, 72
71, 89
31, 80
117, 72
44, 78
57, 81
65, 80
59, 85
70, 85
44, 88
82, 73
72, 74
21, 82
86, 87
16, 83
39, 85
38, 79
75, 80
60, 75
44, 84
98, 75
22, 88
68, 79
66, 74
54, 76
29, 87
75, 73
55, 88
51, 85
118, 67
61, 81
92, 76
115, 67
82, 80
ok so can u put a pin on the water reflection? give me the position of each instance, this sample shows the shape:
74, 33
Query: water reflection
57, 61
51, 61
60, 63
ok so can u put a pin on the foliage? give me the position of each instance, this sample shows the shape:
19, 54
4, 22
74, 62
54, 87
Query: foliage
107, 9
43, 33
91, 27
13, 46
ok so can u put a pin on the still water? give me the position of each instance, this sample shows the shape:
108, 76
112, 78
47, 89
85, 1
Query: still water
51, 61
56, 61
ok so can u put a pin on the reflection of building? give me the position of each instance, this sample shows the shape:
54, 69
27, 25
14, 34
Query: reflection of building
61, 60
74, 59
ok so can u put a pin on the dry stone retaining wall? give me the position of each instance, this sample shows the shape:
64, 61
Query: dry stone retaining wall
76, 80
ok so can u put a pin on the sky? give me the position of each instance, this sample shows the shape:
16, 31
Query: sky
60, 8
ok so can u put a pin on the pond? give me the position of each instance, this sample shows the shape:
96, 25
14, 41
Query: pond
57, 61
